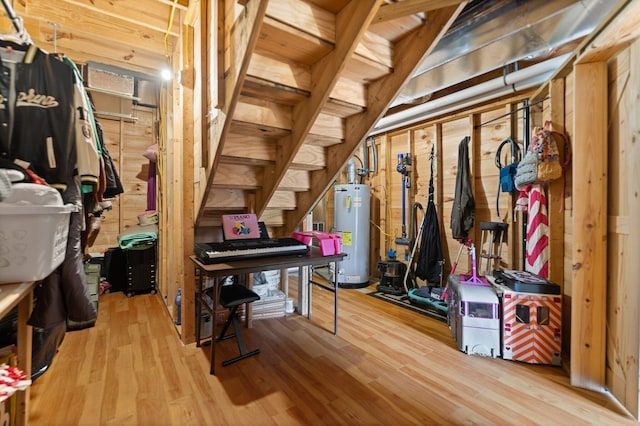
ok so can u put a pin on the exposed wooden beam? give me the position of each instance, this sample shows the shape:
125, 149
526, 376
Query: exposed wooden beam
556, 192
187, 235
391, 11
99, 35
354, 19
244, 38
227, 197
155, 18
410, 51
180, 4
280, 71
589, 296
305, 16
623, 29
262, 113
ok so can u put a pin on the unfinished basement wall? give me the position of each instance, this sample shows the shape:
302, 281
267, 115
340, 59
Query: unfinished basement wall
623, 239
487, 127
126, 141
620, 320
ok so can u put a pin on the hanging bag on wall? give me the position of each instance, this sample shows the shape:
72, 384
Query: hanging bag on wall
508, 172
541, 163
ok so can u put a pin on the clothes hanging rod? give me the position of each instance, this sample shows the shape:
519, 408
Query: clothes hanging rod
510, 113
17, 22
12, 15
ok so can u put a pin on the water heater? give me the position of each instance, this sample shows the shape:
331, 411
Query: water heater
351, 221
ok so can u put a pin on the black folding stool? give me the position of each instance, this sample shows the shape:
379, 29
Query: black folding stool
231, 297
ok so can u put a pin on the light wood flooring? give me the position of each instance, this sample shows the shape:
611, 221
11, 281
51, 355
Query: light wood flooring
387, 366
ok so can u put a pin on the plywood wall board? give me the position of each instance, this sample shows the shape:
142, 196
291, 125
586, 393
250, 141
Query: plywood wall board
349, 91
623, 317
283, 200
376, 48
246, 128
104, 24
237, 176
321, 24
283, 40
328, 126
221, 198
250, 148
305, 16
267, 114
395, 28
268, 66
321, 140
272, 218
362, 69
310, 158
623, 29
295, 180
73, 45
340, 108
132, 206
589, 252
243, 128
274, 92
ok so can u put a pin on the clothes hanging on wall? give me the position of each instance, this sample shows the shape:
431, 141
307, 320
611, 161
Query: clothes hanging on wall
87, 147
36, 118
64, 293
113, 185
38, 133
463, 211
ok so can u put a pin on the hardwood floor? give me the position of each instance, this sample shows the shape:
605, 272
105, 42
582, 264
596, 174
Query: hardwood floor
387, 366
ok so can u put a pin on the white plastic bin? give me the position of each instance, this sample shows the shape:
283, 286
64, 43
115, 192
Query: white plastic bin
33, 240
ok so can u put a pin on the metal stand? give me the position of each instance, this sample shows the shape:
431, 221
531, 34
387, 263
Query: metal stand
494, 234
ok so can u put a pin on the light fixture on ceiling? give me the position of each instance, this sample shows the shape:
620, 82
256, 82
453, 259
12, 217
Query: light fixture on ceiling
166, 74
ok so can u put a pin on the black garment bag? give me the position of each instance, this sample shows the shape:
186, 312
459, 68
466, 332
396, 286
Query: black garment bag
430, 260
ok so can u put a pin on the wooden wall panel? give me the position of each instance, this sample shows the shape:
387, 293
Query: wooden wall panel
452, 133
126, 142
567, 281
498, 121
623, 245
589, 220
399, 143
497, 129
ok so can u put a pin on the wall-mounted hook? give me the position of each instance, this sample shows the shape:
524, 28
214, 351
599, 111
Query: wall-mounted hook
55, 35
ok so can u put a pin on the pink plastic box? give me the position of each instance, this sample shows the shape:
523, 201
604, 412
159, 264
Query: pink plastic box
329, 243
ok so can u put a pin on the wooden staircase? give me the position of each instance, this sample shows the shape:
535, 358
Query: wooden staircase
303, 83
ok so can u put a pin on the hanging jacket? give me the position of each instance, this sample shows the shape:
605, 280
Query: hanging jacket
87, 147
113, 184
36, 115
463, 211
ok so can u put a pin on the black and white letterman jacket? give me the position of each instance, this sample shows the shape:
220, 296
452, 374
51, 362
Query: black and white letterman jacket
36, 116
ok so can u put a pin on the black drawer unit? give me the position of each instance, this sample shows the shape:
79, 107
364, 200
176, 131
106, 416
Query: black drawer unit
141, 263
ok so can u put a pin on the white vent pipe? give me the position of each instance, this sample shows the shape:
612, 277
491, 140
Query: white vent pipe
510, 83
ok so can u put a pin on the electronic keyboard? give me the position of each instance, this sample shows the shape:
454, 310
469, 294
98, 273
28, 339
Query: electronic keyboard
248, 249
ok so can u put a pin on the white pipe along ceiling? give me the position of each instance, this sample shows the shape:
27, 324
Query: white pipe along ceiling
511, 83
